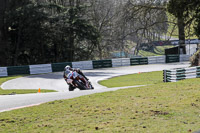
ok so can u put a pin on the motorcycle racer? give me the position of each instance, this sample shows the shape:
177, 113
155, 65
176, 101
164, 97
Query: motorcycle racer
68, 73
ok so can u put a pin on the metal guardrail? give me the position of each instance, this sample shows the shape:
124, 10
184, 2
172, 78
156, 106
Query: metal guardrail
58, 67
175, 75
85, 65
18, 70
102, 63
3, 71
172, 58
156, 59
43, 68
121, 62
139, 61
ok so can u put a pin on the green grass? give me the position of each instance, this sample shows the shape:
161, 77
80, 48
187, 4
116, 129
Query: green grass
159, 51
10, 92
133, 79
158, 108
147, 53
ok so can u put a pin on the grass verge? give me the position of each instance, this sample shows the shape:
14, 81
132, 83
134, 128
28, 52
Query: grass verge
158, 108
134, 79
16, 91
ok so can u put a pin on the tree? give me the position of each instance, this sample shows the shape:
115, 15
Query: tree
197, 27
27, 33
143, 21
41, 32
79, 29
78, 35
183, 10
103, 15
196, 9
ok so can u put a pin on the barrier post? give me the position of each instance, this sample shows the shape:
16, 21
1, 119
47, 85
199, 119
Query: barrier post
165, 75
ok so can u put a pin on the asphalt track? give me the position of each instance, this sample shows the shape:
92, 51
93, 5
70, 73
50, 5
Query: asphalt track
55, 81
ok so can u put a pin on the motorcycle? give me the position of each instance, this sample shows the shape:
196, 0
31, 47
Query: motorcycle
76, 81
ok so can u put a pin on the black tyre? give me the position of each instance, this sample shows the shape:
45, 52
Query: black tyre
80, 85
91, 87
71, 88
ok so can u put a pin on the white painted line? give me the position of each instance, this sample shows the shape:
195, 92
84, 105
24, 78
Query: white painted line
20, 107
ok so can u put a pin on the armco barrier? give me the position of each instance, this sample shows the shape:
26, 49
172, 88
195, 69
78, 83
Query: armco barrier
121, 62
184, 57
43, 68
102, 64
84, 65
3, 71
139, 61
156, 59
180, 74
172, 58
126, 62
117, 62
18, 70
58, 67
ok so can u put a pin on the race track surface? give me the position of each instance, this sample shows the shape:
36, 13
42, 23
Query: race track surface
55, 81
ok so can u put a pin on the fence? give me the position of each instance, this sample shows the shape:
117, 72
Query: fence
172, 58
184, 58
18, 70
57, 67
139, 61
102, 64
43, 68
180, 74
85, 65
3, 71
121, 62
156, 59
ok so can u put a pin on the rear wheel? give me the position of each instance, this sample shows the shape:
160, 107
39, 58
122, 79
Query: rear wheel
80, 85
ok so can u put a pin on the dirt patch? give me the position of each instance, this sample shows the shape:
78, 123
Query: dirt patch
158, 112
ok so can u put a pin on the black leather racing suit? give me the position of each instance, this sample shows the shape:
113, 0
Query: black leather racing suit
71, 87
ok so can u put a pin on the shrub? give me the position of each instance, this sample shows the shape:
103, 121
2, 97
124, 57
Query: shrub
195, 59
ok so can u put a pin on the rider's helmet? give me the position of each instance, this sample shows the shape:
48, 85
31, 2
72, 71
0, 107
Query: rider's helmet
67, 68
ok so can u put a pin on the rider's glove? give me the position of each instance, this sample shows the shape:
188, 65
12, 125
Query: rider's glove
78, 70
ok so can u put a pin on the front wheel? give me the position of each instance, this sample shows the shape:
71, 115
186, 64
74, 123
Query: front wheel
71, 88
91, 87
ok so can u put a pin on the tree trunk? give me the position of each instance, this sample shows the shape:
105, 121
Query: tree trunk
137, 48
71, 32
71, 43
199, 60
56, 52
181, 30
2, 33
16, 52
100, 52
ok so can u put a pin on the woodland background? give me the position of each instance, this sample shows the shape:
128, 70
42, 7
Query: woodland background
50, 31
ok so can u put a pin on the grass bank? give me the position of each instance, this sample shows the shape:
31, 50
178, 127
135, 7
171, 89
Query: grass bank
11, 92
158, 108
158, 51
134, 79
